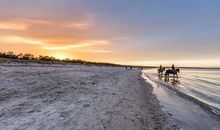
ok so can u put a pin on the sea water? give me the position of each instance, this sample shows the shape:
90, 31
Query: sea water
201, 84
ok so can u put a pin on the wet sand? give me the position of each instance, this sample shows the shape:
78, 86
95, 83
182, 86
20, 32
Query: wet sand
77, 98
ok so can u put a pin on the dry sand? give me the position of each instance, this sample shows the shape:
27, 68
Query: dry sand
36, 97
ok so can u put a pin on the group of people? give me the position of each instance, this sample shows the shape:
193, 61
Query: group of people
173, 71
172, 68
130, 68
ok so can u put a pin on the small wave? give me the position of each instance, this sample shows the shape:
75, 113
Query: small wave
208, 82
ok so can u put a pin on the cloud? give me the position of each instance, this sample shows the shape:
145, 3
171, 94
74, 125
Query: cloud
79, 44
13, 25
58, 35
84, 46
96, 51
85, 23
67, 47
79, 25
19, 40
36, 21
25, 24
22, 24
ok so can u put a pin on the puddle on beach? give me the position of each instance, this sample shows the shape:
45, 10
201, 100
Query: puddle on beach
186, 114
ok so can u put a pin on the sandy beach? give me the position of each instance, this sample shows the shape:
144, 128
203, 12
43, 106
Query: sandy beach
109, 65
73, 97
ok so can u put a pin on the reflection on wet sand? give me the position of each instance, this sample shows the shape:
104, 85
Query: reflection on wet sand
174, 81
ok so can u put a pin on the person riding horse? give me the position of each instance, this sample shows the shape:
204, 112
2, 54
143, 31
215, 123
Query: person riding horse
161, 67
173, 68
160, 71
173, 71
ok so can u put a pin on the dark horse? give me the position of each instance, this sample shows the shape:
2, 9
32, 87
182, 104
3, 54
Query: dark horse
160, 72
169, 71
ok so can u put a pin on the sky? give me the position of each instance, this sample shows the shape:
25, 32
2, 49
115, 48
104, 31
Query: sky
142, 32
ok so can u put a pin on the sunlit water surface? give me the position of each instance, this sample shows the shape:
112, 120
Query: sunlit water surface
202, 84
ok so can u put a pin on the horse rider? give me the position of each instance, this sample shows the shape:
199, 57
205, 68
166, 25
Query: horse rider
161, 67
173, 68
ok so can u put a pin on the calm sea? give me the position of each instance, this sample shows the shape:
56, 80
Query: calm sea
202, 84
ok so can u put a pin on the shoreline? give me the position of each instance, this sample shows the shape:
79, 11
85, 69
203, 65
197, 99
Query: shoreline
210, 109
78, 97
185, 112
167, 121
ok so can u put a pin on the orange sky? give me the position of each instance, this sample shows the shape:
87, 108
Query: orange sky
60, 39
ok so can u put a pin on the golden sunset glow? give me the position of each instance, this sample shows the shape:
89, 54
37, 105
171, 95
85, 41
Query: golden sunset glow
61, 46
60, 56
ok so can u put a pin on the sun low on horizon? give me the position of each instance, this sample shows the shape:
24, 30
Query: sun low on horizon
185, 33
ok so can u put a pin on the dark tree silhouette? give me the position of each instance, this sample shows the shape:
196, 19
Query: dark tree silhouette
32, 58
28, 56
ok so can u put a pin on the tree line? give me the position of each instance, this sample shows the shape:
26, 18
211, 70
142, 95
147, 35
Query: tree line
31, 57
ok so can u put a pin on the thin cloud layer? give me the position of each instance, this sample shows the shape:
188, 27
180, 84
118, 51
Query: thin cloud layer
12, 26
19, 40
48, 42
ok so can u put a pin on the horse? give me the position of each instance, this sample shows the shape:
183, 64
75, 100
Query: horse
161, 70
169, 71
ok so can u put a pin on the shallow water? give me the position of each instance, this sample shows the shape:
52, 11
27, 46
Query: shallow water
202, 84
185, 114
